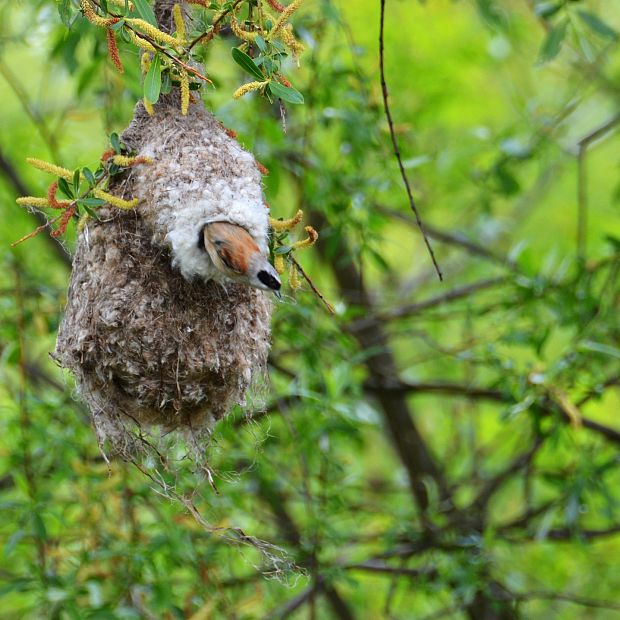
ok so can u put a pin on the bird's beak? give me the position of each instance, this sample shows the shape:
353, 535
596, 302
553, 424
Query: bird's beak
278, 294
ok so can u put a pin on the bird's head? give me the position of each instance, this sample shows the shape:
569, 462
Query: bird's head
235, 254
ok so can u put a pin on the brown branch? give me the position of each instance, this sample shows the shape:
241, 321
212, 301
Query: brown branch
315, 290
437, 387
410, 446
372, 566
403, 174
567, 598
277, 504
215, 24
408, 310
456, 239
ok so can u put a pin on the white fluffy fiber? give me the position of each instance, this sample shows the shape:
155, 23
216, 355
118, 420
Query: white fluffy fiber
179, 198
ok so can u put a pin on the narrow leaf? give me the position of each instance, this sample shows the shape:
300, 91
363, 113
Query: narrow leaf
553, 43
286, 93
152, 81
76, 181
89, 176
145, 11
65, 188
115, 142
597, 25
244, 61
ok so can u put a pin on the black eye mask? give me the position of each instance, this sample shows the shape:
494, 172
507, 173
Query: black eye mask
268, 280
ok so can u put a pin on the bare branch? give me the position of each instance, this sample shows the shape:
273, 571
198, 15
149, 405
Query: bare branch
403, 174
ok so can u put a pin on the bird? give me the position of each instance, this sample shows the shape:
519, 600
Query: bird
234, 253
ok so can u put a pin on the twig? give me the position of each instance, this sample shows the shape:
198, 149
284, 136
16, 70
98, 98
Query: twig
456, 239
388, 115
215, 23
410, 309
316, 291
567, 598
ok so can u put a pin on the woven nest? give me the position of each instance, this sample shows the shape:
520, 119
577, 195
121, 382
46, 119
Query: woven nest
151, 332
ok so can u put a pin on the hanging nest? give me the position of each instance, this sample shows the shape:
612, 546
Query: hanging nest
152, 333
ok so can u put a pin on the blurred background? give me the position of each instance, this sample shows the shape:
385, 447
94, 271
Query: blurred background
434, 449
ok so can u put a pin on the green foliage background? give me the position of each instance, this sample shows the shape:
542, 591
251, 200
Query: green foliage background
491, 100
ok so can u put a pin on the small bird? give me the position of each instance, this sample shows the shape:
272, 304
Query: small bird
235, 253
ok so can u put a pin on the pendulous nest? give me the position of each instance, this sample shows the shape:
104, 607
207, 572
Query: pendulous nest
151, 332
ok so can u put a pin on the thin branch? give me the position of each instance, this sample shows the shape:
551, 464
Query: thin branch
408, 310
438, 387
567, 598
315, 290
456, 239
215, 24
372, 566
388, 115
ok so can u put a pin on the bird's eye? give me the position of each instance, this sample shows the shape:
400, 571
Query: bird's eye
268, 280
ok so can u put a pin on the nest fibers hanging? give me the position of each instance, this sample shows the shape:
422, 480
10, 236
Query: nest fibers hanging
153, 334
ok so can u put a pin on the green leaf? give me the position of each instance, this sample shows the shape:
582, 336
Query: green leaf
76, 181
553, 43
89, 176
39, 526
597, 25
65, 188
92, 202
145, 11
599, 347
286, 93
115, 142
244, 61
261, 43
65, 12
166, 83
104, 5
547, 9
118, 25
152, 81
283, 249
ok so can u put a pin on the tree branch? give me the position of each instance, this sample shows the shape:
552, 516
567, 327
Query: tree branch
403, 174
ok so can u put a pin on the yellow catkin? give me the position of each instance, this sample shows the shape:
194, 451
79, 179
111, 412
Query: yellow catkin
293, 278
115, 201
32, 201
153, 32
145, 62
179, 24
148, 106
239, 32
121, 4
282, 225
184, 91
82, 222
140, 42
308, 241
123, 160
278, 263
91, 15
57, 171
249, 87
284, 17
286, 34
